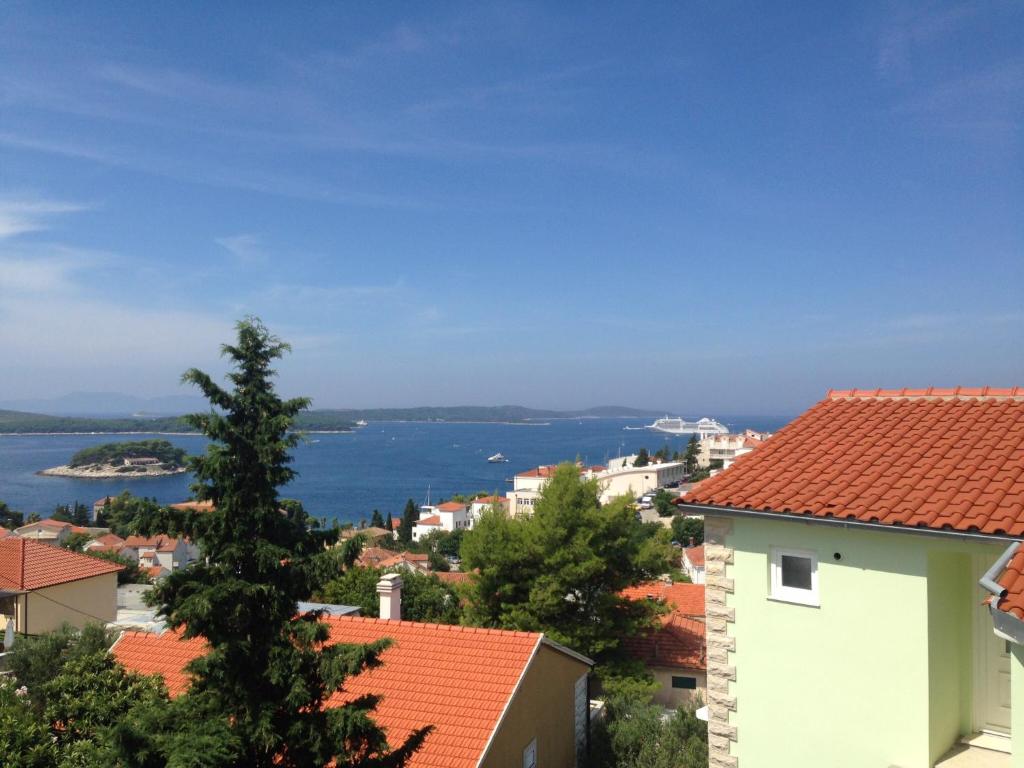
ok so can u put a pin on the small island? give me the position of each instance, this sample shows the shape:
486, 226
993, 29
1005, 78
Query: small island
139, 459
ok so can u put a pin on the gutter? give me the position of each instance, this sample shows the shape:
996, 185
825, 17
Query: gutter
795, 517
1004, 624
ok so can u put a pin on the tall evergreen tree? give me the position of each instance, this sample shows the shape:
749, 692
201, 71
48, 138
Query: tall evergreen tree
692, 453
410, 515
376, 520
257, 696
642, 458
389, 523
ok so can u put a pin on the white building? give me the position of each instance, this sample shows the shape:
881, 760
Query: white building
478, 506
619, 478
450, 516
728, 448
163, 552
692, 562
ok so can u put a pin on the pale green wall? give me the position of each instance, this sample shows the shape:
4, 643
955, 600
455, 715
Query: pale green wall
850, 684
950, 640
1017, 704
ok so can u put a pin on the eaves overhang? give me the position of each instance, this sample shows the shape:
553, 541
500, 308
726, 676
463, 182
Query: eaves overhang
797, 517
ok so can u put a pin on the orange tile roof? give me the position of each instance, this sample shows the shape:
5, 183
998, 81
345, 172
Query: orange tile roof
678, 642
404, 557
373, 555
159, 542
451, 506
432, 520
938, 458
492, 500
695, 555
458, 679
453, 577
195, 506
28, 564
684, 599
4, 533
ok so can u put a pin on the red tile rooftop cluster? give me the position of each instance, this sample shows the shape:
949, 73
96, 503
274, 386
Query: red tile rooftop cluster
946, 459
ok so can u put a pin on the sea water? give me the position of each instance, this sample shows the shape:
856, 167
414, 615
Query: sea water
345, 476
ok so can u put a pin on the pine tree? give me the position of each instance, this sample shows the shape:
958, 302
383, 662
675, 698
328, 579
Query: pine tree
692, 452
376, 520
642, 458
257, 697
410, 515
389, 523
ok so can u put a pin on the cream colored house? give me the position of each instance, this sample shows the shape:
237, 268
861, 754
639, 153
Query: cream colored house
728, 448
43, 587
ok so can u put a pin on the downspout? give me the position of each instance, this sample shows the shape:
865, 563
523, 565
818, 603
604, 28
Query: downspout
988, 581
1004, 624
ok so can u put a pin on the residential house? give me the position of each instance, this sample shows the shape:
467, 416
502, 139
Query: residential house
49, 531
163, 551
449, 516
727, 448
622, 478
478, 506
193, 506
496, 699
674, 652
850, 562
43, 586
111, 542
619, 478
410, 561
692, 561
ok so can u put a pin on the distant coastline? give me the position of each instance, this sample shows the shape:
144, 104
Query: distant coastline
326, 421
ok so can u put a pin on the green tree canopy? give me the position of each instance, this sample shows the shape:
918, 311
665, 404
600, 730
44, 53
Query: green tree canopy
257, 697
376, 520
561, 570
636, 734
9, 518
685, 527
642, 458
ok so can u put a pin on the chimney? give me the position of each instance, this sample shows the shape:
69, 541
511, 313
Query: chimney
693, 542
390, 590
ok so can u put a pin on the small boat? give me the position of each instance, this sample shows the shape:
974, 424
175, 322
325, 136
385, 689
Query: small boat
361, 423
497, 458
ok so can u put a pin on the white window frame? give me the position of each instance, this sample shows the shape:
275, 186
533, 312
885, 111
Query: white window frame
793, 594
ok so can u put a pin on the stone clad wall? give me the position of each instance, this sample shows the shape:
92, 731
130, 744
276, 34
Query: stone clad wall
720, 644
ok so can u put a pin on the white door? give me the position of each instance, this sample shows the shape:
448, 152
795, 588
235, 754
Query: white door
992, 675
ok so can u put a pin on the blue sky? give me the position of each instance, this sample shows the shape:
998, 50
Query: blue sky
702, 207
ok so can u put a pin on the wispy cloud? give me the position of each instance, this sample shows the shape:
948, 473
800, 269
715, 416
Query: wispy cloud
245, 247
18, 216
910, 30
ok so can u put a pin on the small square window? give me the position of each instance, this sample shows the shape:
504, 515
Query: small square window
794, 576
684, 682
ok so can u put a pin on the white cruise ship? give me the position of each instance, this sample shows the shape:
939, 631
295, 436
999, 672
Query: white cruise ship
676, 426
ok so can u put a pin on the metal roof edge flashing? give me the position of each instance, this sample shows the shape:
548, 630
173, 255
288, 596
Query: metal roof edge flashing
796, 517
1006, 625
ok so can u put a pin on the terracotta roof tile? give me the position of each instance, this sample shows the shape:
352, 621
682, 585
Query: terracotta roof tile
937, 458
1012, 578
451, 506
457, 679
678, 642
695, 555
684, 599
28, 564
4, 533
432, 520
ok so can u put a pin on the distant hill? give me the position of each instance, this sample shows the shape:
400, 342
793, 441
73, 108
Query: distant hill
107, 404
324, 420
